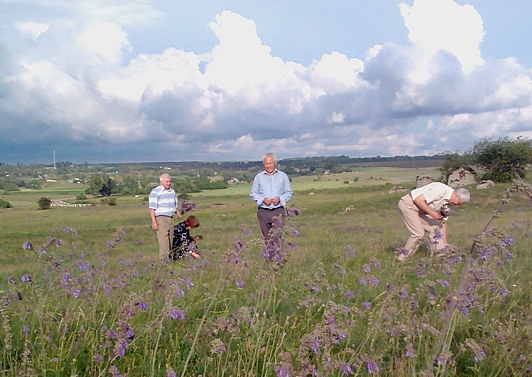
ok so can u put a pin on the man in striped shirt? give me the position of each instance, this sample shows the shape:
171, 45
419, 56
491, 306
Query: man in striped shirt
163, 206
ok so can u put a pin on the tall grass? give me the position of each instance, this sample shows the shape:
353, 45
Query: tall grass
82, 292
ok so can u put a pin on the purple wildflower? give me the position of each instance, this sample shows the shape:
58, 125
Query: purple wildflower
403, 293
26, 279
349, 294
11, 280
366, 305
188, 283
27, 246
372, 367
176, 313
444, 283
363, 281
507, 242
97, 359
76, 293
217, 346
410, 352
375, 262
142, 305
114, 371
346, 368
479, 355
373, 281
170, 372
315, 289
315, 346
366, 268
187, 206
111, 334
130, 334
239, 283
282, 371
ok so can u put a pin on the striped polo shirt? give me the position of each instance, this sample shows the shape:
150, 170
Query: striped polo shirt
164, 202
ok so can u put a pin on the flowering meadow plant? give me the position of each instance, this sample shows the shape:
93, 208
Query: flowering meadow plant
256, 309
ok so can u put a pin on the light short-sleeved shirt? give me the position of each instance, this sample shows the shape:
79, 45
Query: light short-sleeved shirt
436, 194
164, 202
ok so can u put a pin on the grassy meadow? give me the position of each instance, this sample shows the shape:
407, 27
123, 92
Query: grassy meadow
88, 297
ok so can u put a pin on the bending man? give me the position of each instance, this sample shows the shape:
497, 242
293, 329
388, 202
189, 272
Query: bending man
426, 209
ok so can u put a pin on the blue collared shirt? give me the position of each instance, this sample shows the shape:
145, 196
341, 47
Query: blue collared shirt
164, 202
270, 186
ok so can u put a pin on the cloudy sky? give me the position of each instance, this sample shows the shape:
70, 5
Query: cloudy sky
217, 80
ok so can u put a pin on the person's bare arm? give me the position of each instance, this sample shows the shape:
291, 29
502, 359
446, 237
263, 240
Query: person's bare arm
443, 230
421, 203
154, 225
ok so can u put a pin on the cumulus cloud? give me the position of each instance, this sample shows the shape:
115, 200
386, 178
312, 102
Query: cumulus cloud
432, 93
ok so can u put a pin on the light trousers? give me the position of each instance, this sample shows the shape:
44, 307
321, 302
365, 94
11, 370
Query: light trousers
165, 235
417, 223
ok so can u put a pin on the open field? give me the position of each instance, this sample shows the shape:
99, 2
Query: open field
97, 303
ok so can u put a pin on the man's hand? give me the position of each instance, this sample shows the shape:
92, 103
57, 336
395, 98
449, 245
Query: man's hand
154, 225
276, 200
421, 203
267, 201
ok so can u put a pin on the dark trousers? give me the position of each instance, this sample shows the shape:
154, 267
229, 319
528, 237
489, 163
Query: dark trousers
270, 219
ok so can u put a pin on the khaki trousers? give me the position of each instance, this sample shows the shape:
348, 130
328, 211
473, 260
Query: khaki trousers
165, 235
417, 223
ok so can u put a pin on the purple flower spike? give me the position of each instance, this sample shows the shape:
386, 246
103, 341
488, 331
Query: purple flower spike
176, 313
372, 367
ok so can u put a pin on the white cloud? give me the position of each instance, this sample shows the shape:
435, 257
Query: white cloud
443, 24
104, 39
238, 99
32, 29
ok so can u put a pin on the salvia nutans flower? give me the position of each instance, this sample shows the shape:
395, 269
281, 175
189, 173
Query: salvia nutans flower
187, 206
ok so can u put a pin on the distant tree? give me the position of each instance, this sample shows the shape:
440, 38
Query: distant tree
95, 185
103, 185
129, 186
504, 159
34, 184
9, 186
108, 187
44, 203
454, 161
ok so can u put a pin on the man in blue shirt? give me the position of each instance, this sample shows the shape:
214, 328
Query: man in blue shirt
163, 207
270, 190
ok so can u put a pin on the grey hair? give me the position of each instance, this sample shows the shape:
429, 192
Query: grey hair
164, 175
269, 154
463, 194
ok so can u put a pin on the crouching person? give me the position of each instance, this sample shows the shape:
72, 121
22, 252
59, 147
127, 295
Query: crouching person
426, 209
183, 243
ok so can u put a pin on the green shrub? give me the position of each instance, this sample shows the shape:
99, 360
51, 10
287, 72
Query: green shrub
44, 203
5, 204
